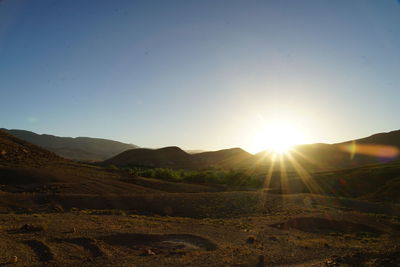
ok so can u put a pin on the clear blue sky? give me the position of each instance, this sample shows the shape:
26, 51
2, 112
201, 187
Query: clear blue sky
199, 74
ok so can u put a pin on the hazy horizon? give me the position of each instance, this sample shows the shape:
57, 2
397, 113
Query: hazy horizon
200, 74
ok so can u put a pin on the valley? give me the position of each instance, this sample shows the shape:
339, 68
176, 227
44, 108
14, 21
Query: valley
59, 212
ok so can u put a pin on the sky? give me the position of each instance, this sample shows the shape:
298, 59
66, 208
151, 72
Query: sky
207, 74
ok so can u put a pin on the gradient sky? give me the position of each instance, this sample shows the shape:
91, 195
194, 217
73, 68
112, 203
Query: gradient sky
199, 74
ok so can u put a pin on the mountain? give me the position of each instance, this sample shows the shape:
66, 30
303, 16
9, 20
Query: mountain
14, 151
390, 139
79, 148
167, 157
25, 167
174, 157
228, 158
195, 151
377, 148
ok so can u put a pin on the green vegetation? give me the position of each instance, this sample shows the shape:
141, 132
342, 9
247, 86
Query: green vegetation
213, 176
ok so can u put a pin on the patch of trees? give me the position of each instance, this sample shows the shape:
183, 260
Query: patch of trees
213, 176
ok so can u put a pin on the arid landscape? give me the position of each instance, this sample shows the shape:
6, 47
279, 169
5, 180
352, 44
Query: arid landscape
221, 133
59, 212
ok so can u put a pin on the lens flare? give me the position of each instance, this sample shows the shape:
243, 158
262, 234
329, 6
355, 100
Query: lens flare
379, 151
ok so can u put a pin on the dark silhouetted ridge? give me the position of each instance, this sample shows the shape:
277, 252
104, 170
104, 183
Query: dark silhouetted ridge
377, 148
390, 139
174, 157
228, 158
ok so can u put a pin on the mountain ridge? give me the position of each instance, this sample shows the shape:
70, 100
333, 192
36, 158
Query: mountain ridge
14, 151
76, 148
176, 158
318, 156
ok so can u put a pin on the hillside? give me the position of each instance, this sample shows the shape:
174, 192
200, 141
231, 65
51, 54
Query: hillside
378, 148
228, 158
176, 158
14, 151
79, 148
167, 157
390, 139
25, 167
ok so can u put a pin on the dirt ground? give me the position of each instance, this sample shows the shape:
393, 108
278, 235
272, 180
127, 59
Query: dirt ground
298, 236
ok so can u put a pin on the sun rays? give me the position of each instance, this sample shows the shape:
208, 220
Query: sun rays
278, 136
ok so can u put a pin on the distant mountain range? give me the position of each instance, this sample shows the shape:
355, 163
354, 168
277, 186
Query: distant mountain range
378, 148
25, 167
79, 148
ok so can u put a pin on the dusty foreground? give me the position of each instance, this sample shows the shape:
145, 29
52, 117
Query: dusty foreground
296, 236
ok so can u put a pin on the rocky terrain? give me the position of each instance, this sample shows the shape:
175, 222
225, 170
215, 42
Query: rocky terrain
57, 212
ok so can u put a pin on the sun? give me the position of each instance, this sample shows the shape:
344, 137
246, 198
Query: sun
278, 137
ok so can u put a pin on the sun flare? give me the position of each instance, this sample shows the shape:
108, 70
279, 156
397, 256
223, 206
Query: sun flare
278, 137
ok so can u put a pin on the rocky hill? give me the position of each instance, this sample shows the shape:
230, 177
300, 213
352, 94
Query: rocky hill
14, 151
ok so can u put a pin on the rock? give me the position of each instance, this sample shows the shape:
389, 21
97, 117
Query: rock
261, 261
13, 259
330, 262
31, 228
148, 252
250, 240
273, 238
